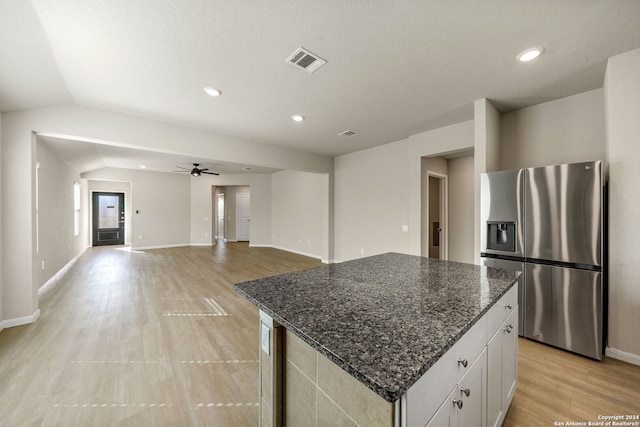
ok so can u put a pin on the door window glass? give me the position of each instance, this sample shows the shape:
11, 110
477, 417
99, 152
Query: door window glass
108, 211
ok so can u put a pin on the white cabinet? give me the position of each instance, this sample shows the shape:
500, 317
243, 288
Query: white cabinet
471, 403
502, 369
473, 383
427, 395
465, 405
445, 415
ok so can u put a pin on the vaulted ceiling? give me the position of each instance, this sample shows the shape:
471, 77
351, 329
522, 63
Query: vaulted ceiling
394, 68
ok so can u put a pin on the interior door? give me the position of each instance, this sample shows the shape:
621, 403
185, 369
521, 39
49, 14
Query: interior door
108, 219
243, 216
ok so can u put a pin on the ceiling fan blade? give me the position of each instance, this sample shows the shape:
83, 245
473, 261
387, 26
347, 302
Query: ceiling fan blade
210, 173
205, 169
181, 171
183, 168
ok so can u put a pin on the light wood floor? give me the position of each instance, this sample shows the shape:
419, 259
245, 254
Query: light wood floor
558, 386
154, 338
159, 338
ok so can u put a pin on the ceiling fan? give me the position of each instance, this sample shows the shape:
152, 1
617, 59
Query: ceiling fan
196, 171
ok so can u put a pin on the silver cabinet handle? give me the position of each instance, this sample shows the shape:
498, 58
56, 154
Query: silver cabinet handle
466, 391
508, 306
463, 362
458, 403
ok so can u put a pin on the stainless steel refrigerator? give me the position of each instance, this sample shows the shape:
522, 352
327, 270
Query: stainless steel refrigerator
548, 223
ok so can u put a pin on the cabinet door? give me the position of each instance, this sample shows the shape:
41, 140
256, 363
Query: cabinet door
472, 393
509, 359
494, 379
445, 415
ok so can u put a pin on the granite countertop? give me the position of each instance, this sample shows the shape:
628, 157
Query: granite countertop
384, 319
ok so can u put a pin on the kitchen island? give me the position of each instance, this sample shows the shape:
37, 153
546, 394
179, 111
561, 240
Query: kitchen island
386, 340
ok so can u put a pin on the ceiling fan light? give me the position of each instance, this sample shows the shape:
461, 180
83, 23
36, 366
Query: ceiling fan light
195, 172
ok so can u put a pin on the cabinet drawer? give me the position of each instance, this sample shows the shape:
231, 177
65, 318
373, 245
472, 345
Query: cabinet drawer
501, 309
427, 394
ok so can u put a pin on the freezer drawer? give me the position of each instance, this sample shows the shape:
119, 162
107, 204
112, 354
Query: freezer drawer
511, 265
564, 308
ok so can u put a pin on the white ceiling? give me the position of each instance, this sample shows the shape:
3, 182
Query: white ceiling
395, 68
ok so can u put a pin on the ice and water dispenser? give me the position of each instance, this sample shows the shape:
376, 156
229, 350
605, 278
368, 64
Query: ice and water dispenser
501, 236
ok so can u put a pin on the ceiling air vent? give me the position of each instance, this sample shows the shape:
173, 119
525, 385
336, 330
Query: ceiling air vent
306, 60
348, 133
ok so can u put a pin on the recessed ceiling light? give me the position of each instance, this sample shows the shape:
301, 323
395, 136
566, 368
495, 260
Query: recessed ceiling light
530, 54
212, 91
142, 166
297, 117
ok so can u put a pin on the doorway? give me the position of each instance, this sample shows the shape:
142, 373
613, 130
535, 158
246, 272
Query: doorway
108, 218
220, 217
437, 201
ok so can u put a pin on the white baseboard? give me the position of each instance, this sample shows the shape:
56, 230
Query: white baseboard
290, 250
622, 355
143, 248
208, 245
19, 321
53, 281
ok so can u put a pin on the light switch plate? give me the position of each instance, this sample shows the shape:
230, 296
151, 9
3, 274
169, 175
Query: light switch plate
265, 338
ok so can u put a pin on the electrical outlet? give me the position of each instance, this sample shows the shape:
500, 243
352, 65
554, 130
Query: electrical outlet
43, 265
140, 237
405, 228
361, 251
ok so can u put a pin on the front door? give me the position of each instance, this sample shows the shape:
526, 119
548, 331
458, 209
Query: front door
108, 219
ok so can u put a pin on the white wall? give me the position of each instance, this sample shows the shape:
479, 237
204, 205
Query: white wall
297, 206
566, 130
486, 157
18, 228
461, 214
379, 190
57, 244
202, 217
163, 202
1, 237
371, 202
622, 106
